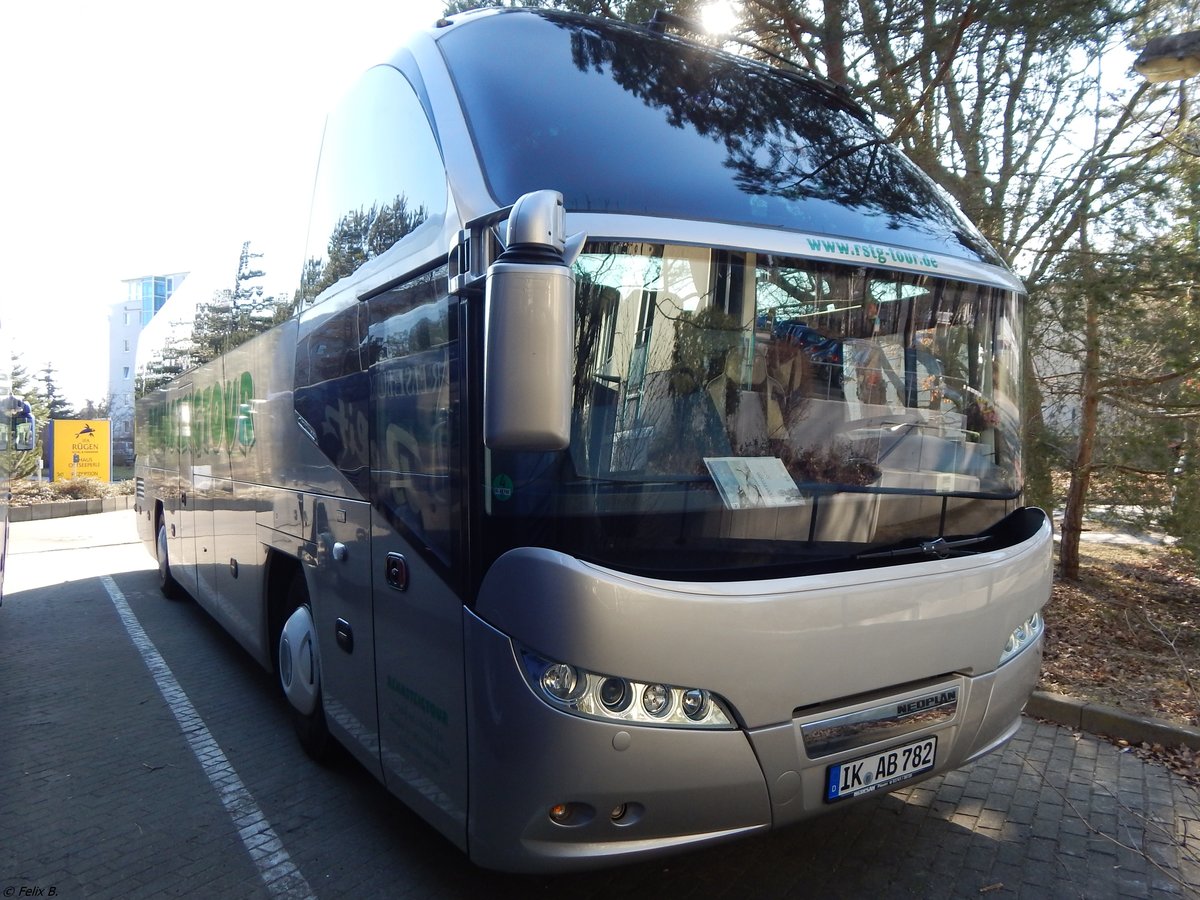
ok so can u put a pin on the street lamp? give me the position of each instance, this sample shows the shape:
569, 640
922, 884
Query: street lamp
1170, 58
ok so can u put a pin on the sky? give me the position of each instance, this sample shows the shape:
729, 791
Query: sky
133, 133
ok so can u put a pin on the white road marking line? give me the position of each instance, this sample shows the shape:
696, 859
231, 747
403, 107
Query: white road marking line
280, 875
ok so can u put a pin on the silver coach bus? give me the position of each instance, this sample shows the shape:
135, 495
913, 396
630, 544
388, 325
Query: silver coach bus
635, 463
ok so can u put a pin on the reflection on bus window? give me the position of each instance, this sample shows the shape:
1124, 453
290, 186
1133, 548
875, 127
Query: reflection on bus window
856, 377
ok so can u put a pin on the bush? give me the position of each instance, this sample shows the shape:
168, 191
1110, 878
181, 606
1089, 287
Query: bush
27, 493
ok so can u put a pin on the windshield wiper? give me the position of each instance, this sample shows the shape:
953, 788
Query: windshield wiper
938, 548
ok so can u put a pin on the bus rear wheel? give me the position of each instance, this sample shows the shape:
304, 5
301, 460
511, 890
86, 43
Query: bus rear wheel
299, 669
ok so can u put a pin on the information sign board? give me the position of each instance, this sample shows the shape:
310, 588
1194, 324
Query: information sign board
81, 449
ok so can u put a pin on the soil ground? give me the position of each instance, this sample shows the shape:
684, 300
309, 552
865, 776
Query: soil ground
1126, 635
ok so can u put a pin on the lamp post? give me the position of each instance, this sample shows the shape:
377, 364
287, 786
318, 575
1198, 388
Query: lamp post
1170, 58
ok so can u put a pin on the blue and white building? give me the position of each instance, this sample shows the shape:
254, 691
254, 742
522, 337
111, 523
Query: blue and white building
144, 297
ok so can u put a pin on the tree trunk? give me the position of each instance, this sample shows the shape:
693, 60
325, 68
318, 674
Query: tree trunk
1081, 474
834, 41
1038, 489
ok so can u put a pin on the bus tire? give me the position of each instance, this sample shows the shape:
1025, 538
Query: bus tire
298, 667
171, 589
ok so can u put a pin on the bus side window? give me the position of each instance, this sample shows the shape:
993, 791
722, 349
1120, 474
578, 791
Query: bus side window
379, 178
330, 393
412, 357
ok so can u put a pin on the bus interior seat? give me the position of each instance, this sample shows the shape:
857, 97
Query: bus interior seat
753, 415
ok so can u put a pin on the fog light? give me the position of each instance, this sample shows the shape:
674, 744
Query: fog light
572, 815
560, 681
618, 812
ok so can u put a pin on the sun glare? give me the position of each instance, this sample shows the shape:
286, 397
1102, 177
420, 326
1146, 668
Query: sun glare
720, 16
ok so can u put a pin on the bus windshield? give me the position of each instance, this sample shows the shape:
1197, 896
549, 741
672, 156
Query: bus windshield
779, 410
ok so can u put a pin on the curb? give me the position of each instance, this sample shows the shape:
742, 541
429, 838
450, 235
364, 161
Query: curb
59, 508
1109, 721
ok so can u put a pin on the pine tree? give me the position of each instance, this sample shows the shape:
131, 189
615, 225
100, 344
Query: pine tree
57, 406
234, 315
94, 410
359, 235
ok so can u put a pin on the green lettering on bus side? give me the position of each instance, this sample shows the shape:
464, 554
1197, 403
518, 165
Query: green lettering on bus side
219, 419
216, 413
196, 420
245, 420
229, 414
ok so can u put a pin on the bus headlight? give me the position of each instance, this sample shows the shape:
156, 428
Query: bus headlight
656, 700
612, 698
1022, 636
615, 694
695, 704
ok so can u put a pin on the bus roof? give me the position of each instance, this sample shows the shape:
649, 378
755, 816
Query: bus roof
624, 120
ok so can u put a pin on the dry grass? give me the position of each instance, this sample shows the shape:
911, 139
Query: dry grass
1126, 635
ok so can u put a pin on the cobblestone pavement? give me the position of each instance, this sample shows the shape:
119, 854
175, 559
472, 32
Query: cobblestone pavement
103, 792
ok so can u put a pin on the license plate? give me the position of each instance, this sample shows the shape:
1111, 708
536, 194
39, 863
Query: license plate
879, 771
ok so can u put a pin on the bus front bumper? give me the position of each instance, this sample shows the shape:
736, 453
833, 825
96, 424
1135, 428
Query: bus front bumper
551, 791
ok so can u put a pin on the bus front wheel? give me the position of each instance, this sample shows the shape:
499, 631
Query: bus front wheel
299, 665
166, 581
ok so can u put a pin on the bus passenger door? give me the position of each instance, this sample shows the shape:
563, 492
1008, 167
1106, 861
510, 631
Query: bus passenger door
338, 562
416, 517
330, 399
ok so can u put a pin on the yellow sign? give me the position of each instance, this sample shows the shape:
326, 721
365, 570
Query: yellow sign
82, 449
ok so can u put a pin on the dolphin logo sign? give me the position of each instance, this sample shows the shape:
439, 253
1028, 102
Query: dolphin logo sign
87, 429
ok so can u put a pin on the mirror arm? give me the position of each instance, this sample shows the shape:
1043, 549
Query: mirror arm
472, 250
478, 245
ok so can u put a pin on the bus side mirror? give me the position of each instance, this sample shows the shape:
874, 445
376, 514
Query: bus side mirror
24, 434
530, 331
